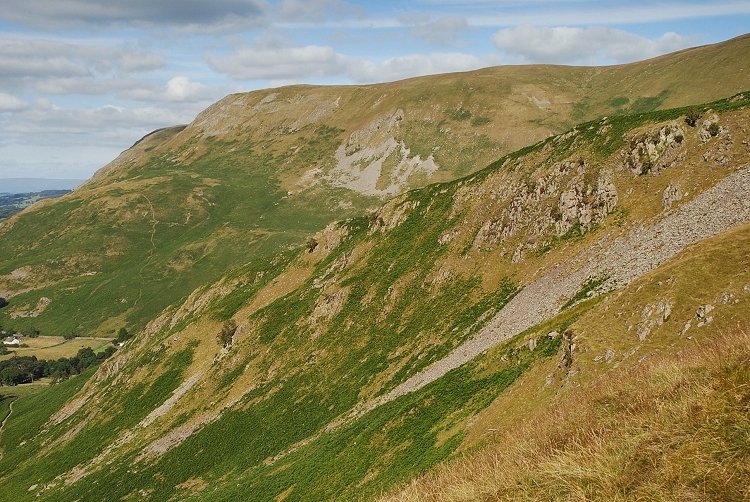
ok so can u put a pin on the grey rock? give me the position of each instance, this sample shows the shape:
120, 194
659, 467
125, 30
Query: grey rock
671, 195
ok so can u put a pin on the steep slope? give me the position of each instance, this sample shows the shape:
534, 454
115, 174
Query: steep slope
259, 171
324, 386
652, 403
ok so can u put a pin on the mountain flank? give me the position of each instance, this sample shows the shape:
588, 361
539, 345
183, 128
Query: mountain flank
258, 173
388, 343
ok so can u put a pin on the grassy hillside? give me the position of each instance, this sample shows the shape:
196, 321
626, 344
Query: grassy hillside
258, 172
299, 403
661, 419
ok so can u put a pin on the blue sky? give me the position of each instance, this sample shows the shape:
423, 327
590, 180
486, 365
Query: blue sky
81, 80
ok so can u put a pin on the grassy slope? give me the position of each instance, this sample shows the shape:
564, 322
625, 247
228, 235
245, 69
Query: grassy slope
301, 358
665, 419
185, 204
152, 239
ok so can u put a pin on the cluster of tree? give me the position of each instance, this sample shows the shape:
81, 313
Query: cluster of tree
3, 302
122, 337
226, 335
26, 369
33, 332
28, 332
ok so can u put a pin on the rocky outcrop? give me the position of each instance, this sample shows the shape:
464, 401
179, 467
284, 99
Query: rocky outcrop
653, 316
655, 150
551, 204
718, 209
709, 128
40, 307
373, 162
586, 206
672, 194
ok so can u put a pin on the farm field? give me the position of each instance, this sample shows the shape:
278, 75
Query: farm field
55, 347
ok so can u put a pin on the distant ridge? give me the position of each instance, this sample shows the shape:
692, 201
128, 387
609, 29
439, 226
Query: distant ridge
25, 185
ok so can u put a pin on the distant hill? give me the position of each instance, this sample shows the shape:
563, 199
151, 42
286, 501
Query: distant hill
614, 254
28, 185
261, 171
12, 203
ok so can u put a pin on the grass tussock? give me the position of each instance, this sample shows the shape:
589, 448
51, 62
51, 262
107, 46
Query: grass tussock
674, 428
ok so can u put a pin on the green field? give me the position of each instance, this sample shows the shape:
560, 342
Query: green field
55, 347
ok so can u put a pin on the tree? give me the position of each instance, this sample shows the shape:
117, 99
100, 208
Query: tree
692, 116
311, 244
86, 357
30, 332
122, 336
70, 335
227, 333
3, 302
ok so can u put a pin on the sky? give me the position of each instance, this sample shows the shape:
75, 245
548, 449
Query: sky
82, 80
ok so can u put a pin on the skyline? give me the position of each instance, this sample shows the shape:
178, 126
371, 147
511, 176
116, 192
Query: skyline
82, 80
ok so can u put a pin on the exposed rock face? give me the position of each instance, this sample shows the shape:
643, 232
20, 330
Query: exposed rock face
702, 314
392, 215
717, 209
569, 346
653, 316
671, 195
372, 162
552, 204
707, 129
586, 206
656, 150
328, 305
40, 307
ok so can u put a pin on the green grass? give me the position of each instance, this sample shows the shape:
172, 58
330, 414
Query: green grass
619, 101
307, 375
248, 218
21, 435
480, 121
588, 288
671, 428
648, 103
422, 429
390, 444
574, 233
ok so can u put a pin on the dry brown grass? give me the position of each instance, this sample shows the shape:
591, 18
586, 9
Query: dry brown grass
675, 428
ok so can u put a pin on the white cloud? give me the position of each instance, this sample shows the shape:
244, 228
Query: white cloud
281, 63
91, 124
317, 10
183, 89
177, 13
46, 140
595, 45
413, 65
443, 31
9, 103
24, 59
141, 61
272, 59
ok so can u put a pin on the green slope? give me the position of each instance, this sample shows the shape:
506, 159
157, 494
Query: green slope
380, 297
257, 172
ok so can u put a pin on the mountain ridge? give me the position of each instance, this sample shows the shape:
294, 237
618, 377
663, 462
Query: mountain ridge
270, 167
325, 328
